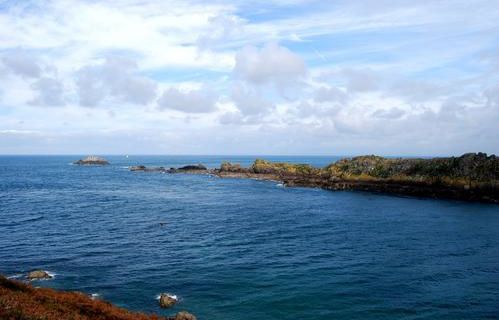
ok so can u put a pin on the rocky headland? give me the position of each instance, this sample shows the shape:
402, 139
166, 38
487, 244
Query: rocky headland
92, 161
470, 177
19, 300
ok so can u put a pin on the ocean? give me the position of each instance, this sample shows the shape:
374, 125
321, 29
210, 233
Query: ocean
245, 249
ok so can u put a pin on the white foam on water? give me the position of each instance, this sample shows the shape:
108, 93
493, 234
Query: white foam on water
94, 296
51, 274
16, 276
173, 296
280, 185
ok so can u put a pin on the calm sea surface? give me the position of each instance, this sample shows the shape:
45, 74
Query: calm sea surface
245, 249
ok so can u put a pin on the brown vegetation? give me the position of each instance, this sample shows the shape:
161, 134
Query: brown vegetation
20, 301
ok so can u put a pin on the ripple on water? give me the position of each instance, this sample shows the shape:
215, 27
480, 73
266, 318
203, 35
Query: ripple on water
242, 249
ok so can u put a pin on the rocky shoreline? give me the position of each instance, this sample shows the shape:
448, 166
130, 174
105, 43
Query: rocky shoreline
19, 300
470, 177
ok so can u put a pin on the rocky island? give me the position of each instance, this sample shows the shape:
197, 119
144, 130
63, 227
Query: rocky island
22, 301
470, 177
92, 161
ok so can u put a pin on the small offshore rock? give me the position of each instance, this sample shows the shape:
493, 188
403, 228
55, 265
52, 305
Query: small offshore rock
138, 168
166, 300
92, 161
39, 275
184, 315
192, 167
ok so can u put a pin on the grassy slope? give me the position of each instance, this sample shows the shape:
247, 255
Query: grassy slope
472, 176
23, 302
472, 170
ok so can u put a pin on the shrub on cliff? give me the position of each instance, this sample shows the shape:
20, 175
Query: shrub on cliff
230, 167
477, 168
22, 301
282, 168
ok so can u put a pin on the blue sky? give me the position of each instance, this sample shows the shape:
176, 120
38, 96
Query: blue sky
249, 77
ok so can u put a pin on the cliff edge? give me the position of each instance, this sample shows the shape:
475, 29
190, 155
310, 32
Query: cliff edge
22, 301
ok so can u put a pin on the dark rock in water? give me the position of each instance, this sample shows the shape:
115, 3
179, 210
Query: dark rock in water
197, 168
166, 300
183, 315
147, 169
92, 161
138, 168
192, 167
39, 275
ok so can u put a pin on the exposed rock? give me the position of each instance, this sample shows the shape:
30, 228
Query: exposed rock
39, 275
147, 169
167, 301
192, 167
231, 167
471, 177
19, 300
198, 168
138, 168
92, 161
183, 315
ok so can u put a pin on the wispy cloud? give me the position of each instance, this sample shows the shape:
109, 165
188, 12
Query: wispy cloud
305, 76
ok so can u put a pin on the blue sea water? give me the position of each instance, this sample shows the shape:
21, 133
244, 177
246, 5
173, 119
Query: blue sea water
244, 249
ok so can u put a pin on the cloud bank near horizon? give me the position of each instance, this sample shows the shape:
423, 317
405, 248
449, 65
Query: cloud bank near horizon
229, 77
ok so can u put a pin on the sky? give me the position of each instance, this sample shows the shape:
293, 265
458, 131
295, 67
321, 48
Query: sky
273, 77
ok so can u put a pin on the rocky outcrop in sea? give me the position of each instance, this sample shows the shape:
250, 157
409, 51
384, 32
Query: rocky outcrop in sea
92, 161
39, 275
192, 168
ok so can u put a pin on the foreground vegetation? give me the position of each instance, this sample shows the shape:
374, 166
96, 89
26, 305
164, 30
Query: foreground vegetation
21, 301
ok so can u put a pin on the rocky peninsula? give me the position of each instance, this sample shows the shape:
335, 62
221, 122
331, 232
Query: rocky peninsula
470, 177
19, 300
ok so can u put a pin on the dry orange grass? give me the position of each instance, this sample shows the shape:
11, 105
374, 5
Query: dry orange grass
19, 301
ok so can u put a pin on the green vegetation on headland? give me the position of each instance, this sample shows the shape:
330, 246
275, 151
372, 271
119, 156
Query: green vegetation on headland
21, 301
470, 177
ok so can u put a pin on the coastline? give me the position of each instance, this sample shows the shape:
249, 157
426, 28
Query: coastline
19, 300
470, 177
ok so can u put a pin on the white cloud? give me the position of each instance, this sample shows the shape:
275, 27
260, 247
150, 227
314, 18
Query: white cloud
22, 64
393, 113
116, 79
221, 28
271, 64
194, 101
330, 94
306, 76
361, 80
49, 92
250, 101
